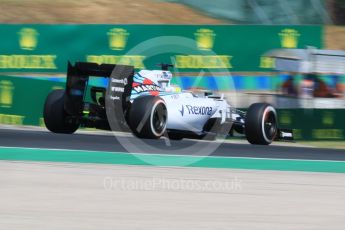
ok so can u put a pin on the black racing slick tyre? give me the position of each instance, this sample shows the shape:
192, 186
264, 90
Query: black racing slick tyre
148, 117
54, 114
261, 124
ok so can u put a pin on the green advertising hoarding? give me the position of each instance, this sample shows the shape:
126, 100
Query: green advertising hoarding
22, 100
47, 48
314, 124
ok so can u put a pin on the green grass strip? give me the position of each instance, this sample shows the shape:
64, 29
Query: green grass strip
99, 157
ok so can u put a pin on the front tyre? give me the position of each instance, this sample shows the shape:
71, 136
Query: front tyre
54, 114
148, 117
261, 124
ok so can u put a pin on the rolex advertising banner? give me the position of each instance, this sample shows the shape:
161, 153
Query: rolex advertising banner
47, 48
22, 99
314, 124
21, 105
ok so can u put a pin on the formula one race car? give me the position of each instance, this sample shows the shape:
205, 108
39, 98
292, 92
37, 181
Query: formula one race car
148, 105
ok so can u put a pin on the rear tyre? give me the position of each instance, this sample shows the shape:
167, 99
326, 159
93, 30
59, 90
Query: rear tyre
148, 117
261, 124
54, 114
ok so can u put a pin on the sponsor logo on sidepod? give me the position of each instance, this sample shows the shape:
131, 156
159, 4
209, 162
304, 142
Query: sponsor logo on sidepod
197, 110
182, 111
119, 81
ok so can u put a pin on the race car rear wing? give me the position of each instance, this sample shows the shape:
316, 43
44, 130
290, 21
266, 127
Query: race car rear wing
117, 93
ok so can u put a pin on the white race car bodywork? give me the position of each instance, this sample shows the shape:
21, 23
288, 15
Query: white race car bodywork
186, 111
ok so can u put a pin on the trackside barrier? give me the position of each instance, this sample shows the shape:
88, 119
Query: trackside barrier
314, 124
47, 48
22, 100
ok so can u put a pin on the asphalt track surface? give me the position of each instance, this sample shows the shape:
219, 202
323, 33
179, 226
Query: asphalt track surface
91, 142
67, 195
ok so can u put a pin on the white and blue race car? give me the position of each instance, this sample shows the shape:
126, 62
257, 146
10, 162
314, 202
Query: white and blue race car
148, 105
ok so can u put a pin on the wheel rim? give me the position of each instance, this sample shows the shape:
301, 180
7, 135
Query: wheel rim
159, 118
270, 125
